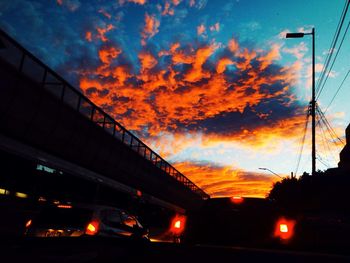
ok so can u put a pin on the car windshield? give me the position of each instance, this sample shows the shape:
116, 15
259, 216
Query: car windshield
73, 217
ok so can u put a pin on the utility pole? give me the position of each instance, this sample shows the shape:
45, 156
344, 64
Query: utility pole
313, 100
313, 106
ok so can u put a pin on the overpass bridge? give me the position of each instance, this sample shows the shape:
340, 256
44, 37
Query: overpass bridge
47, 121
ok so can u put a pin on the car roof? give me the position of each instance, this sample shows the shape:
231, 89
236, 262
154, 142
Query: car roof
223, 203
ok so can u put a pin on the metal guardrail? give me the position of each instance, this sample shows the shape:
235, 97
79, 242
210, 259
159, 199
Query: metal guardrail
26, 63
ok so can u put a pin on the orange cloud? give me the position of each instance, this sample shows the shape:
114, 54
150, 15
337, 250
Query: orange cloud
140, 2
200, 29
272, 55
107, 54
247, 58
88, 36
222, 63
233, 45
121, 74
261, 137
148, 61
150, 28
226, 181
202, 54
187, 90
172, 50
102, 32
167, 10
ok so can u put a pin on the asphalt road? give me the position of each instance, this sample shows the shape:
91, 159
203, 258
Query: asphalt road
114, 250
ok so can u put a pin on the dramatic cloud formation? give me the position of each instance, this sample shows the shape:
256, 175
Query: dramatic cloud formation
205, 84
206, 104
225, 93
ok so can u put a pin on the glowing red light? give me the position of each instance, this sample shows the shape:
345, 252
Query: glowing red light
237, 199
178, 224
92, 228
284, 228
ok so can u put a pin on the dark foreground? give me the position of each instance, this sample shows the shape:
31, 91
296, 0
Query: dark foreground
112, 250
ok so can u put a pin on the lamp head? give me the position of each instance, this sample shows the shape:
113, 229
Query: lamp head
295, 35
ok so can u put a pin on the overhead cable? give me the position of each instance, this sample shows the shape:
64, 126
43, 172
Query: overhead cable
341, 85
333, 44
336, 55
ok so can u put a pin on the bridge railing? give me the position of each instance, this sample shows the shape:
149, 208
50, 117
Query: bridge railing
27, 64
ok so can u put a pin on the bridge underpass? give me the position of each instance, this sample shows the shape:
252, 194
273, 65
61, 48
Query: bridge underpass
45, 121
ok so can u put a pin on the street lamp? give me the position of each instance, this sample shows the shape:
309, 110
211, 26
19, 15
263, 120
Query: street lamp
266, 169
313, 100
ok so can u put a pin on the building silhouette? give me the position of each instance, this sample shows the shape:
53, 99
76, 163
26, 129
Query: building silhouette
344, 162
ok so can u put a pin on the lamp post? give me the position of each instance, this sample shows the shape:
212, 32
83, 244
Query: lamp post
313, 100
266, 169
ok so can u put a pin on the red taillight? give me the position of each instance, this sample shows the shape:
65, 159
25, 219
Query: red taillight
237, 199
284, 228
178, 224
28, 223
92, 228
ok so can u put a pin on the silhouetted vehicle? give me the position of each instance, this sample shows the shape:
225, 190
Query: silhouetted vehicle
85, 220
237, 221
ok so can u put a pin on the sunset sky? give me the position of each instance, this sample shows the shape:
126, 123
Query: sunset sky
212, 86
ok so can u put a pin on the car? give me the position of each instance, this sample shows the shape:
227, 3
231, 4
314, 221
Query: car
244, 221
67, 220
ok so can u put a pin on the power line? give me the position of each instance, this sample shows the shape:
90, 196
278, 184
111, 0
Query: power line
319, 158
325, 142
337, 92
336, 55
328, 126
333, 44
